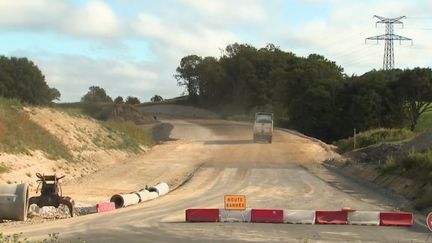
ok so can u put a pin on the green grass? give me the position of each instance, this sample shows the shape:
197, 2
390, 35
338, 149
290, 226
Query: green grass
20, 135
132, 136
3, 169
372, 137
425, 122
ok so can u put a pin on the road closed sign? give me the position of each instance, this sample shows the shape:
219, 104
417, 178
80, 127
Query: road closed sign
429, 221
235, 202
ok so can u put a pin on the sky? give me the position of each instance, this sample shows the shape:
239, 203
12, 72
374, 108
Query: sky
132, 47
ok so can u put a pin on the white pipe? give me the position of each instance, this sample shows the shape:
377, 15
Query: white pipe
161, 188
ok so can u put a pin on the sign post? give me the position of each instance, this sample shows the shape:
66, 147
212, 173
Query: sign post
429, 221
235, 202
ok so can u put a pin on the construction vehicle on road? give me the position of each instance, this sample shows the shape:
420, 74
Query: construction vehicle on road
263, 127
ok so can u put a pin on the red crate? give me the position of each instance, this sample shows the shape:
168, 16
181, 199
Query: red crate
105, 207
267, 216
331, 217
202, 215
396, 219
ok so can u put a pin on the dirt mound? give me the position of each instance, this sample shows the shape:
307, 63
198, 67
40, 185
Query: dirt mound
375, 154
378, 153
124, 113
421, 143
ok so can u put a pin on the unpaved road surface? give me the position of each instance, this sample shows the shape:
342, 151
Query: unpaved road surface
270, 175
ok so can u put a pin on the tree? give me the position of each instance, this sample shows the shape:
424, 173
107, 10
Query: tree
187, 75
415, 88
20, 78
54, 94
130, 100
119, 100
96, 94
156, 98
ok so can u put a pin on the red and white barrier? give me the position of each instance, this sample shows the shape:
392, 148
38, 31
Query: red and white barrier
364, 218
331, 217
202, 215
295, 216
234, 216
299, 216
267, 216
105, 207
396, 219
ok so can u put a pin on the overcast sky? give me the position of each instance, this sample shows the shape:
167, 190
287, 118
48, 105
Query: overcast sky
132, 47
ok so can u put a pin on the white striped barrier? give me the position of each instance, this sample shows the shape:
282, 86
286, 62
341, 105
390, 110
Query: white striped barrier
299, 216
234, 216
364, 218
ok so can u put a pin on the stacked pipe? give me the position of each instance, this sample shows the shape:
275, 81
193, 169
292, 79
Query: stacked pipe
124, 200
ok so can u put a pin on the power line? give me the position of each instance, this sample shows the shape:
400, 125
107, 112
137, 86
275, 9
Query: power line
389, 37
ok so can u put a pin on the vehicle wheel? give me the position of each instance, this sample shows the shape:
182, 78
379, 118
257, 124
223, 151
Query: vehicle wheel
270, 140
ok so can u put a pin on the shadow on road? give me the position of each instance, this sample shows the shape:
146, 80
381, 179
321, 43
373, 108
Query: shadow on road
162, 132
228, 142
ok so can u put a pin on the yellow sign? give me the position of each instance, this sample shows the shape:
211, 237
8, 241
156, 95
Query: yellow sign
235, 202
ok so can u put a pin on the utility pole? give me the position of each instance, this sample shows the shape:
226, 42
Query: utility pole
389, 37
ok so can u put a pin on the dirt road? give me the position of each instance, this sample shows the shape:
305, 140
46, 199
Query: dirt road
271, 175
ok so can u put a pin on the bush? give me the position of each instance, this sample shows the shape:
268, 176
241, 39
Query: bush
368, 138
389, 164
421, 162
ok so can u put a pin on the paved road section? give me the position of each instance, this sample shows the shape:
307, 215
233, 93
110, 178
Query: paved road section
270, 175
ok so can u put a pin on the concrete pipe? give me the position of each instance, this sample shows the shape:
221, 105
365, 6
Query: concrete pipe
124, 200
14, 202
145, 195
161, 188
153, 195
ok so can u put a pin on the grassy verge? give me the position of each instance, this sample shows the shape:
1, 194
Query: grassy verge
132, 136
372, 137
19, 135
424, 122
416, 166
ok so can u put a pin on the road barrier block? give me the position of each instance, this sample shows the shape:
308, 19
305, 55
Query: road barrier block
299, 216
105, 207
331, 217
202, 215
364, 218
235, 215
396, 219
267, 216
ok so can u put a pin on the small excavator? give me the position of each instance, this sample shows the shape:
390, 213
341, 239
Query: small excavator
51, 194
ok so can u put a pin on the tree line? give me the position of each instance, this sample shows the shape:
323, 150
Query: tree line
96, 94
310, 94
21, 79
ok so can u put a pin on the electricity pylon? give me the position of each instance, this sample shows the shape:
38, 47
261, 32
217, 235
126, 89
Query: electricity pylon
389, 37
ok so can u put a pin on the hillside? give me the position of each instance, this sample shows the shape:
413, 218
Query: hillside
48, 140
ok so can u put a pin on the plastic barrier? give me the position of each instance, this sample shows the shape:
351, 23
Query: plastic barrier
161, 188
14, 201
202, 215
331, 217
267, 216
105, 207
234, 215
396, 219
364, 218
299, 216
